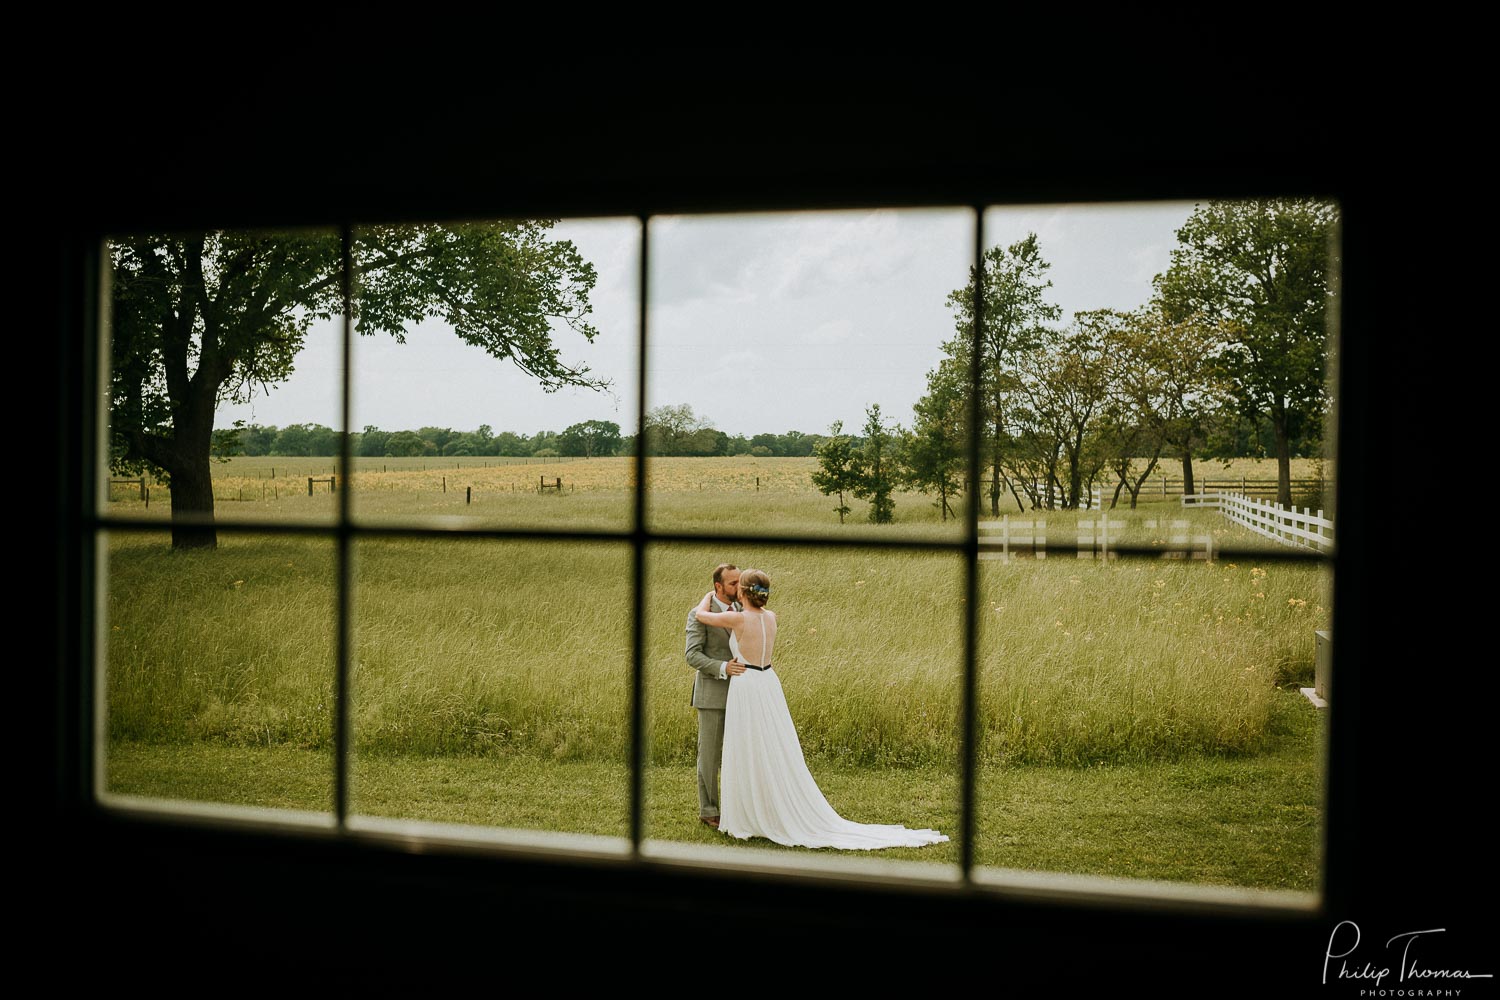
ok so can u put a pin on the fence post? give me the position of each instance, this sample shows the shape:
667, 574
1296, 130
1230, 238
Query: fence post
333, 483
309, 485
445, 484
143, 486
468, 494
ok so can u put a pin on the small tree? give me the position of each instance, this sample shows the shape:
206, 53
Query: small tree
590, 438
513, 445
405, 444
1015, 316
876, 465
257, 440
668, 429
934, 450
372, 441
835, 472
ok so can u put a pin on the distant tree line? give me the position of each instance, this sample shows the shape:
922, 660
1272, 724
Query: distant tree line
670, 431
1226, 435
589, 439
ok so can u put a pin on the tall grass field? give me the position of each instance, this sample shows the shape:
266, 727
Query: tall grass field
519, 652
698, 494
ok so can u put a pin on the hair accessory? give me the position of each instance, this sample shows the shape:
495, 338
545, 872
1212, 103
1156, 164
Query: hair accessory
759, 590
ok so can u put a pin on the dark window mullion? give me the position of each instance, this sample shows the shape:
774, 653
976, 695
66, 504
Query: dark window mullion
970, 700
343, 560
87, 671
639, 538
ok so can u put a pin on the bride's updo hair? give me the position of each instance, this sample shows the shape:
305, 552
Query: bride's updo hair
755, 588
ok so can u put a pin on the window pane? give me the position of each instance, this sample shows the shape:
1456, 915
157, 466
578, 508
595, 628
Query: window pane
490, 683
1143, 718
769, 330
496, 372
218, 676
224, 378
1134, 354
1156, 377
868, 655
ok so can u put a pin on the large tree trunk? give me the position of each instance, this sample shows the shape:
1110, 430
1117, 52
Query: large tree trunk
192, 483
1283, 455
1187, 470
1075, 474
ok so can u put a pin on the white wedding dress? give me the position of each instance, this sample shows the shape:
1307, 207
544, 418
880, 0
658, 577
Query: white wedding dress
766, 789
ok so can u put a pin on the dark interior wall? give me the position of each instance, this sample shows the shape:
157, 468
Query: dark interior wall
1413, 756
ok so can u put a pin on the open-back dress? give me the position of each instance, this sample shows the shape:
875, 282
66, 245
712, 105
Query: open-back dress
766, 789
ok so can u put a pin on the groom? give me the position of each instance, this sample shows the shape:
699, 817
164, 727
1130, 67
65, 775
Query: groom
708, 654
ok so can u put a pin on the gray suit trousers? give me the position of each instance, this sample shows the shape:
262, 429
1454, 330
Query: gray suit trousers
710, 754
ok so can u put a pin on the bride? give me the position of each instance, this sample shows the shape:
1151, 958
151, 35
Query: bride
767, 790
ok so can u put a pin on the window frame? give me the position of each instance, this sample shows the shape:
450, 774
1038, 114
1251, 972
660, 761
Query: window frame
679, 150
639, 850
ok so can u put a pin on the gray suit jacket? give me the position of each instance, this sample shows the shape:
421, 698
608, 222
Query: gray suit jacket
706, 649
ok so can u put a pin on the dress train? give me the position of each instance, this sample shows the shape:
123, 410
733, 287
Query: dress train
767, 790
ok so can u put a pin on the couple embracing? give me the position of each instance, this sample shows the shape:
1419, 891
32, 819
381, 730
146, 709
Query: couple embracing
745, 730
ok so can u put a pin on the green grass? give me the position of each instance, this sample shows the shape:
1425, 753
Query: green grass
1133, 714
1249, 821
685, 494
474, 646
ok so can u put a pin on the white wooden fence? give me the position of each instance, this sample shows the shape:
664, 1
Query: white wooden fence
1289, 526
1094, 537
999, 539
1010, 536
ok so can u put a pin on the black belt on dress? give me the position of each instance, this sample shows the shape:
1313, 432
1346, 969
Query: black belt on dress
754, 667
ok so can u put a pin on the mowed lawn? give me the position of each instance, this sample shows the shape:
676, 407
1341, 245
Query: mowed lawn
1248, 821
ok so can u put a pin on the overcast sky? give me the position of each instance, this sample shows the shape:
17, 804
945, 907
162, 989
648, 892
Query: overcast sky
759, 322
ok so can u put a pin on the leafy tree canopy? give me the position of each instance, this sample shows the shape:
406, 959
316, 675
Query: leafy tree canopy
206, 318
1260, 270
